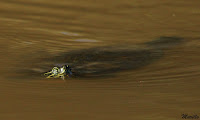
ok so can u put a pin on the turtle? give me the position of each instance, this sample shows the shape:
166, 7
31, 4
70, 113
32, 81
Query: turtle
106, 60
97, 62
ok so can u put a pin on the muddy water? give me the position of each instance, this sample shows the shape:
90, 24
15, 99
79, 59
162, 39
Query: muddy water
163, 79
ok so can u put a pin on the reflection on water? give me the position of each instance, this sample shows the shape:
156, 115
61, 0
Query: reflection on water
123, 68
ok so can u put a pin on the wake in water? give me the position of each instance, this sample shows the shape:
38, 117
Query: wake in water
104, 61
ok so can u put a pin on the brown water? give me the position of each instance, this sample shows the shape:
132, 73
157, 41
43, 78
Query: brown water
161, 90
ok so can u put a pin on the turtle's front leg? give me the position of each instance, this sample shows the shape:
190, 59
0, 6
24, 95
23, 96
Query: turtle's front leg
62, 76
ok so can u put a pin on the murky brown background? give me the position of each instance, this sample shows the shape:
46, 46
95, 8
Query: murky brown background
162, 90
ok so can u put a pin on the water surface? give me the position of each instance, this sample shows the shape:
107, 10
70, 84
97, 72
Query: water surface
163, 79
